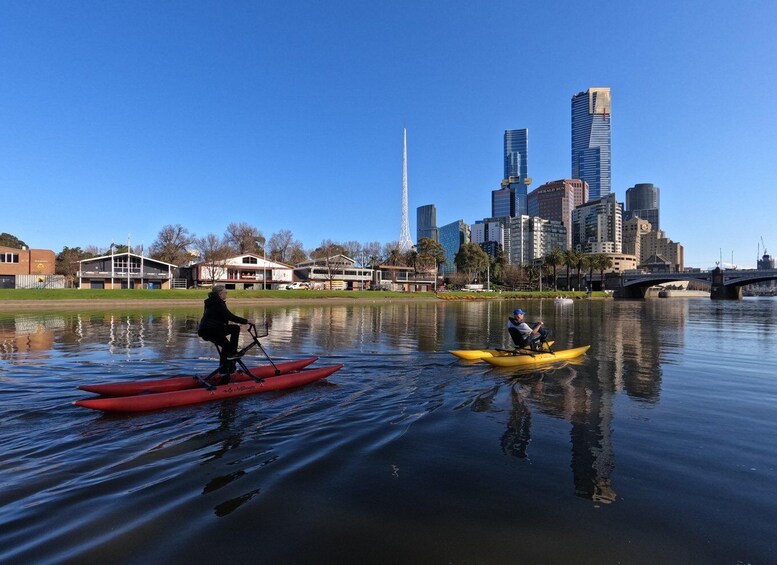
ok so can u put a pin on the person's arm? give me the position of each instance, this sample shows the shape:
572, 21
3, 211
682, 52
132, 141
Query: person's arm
537, 327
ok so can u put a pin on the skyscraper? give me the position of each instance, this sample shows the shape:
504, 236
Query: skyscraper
516, 153
426, 222
642, 200
452, 237
516, 169
555, 201
591, 140
597, 226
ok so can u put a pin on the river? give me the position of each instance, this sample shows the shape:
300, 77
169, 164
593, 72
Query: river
658, 446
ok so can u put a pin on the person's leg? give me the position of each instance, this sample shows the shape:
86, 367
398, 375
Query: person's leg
233, 332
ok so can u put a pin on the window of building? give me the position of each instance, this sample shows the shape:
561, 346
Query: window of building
250, 260
9, 257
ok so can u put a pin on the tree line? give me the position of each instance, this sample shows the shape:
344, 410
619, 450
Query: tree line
176, 245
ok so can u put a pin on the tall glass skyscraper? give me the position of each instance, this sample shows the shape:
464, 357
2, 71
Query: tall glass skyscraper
516, 154
642, 200
426, 223
591, 140
510, 199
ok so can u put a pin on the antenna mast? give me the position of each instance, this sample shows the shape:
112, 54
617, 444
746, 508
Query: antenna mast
405, 243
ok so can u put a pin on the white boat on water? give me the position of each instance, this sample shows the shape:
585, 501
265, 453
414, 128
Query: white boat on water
561, 300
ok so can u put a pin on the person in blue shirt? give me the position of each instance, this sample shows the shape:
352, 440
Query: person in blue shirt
524, 335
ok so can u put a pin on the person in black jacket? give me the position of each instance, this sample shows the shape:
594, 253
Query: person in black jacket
215, 327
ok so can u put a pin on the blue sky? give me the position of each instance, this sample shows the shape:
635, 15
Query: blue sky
117, 118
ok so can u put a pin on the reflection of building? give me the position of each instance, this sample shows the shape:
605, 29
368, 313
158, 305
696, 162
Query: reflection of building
28, 334
124, 270
28, 268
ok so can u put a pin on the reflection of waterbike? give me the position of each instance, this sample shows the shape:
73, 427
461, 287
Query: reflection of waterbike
139, 396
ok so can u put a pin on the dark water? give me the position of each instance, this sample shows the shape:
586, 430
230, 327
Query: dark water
658, 447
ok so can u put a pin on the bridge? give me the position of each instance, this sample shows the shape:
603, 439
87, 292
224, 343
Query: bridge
724, 284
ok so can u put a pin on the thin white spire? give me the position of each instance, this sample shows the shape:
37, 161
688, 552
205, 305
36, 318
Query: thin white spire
405, 242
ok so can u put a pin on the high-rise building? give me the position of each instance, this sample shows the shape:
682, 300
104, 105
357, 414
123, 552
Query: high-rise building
516, 154
591, 140
516, 171
452, 237
597, 226
503, 203
527, 238
426, 222
555, 200
642, 200
490, 235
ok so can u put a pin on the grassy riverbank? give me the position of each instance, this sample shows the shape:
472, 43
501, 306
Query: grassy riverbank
131, 295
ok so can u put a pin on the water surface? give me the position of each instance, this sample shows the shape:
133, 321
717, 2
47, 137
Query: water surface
657, 446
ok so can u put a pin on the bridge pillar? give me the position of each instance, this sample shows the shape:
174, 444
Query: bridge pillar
720, 291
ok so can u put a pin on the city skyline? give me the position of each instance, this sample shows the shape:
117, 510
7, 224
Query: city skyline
120, 119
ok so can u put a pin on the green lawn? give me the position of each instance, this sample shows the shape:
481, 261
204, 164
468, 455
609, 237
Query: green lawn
144, 294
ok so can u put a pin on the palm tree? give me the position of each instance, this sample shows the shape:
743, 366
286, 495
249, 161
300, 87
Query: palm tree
554, 259
570, 260
605, 262
580, 264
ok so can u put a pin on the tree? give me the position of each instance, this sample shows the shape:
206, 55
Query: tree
172, 245
214, 253
245, 238
353, 250
8, 240
512, 277
431, 254
570, 260
371, 253
282, 245
327, 253
393, 255
297, 254
471, 260
67, 262
580, 264
554, 259
603, 262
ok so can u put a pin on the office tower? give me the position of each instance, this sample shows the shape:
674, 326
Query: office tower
405, 243
642, 200
490, 235
633, 230
591, 140
516, 154
516, 168
555, 201
527, 238
503, 203
452, 237
426, 222
597, 226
